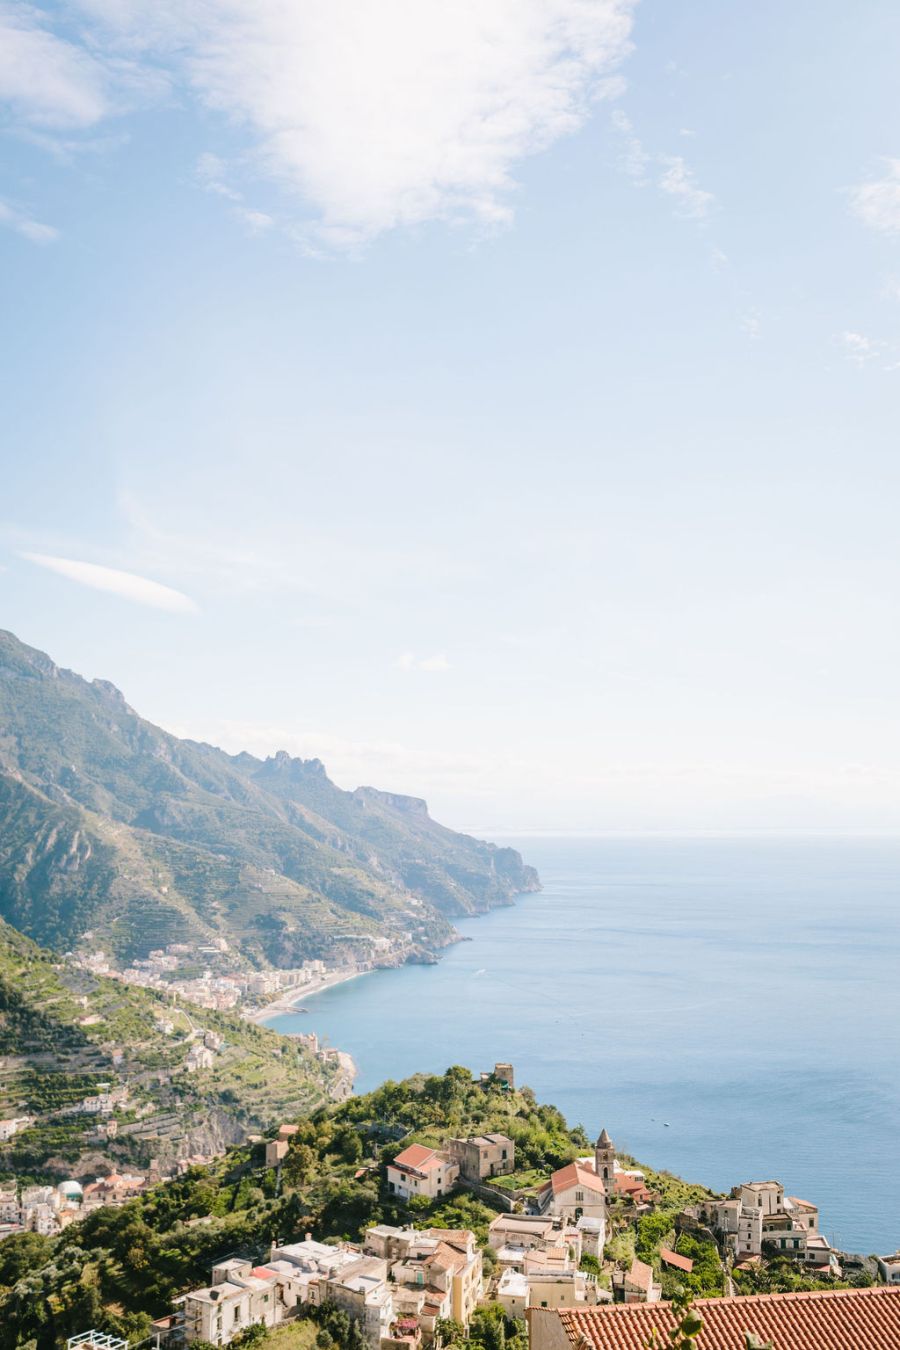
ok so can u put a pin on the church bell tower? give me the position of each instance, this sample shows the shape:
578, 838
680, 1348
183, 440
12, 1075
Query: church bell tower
605, 1163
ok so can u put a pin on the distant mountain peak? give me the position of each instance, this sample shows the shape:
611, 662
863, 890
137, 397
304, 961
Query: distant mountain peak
398, 801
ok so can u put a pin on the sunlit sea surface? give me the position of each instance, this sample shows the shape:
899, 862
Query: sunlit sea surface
727, 1009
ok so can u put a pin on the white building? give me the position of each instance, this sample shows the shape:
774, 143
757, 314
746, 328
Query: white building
420, 1170
517, 1291
239, 1296
573, 1191
12, 1126
889, 1268
9, 1202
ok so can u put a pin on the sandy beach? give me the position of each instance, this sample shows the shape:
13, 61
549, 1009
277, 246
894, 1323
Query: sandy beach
294, 998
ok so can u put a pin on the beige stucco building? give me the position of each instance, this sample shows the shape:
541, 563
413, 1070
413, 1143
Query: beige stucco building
483, 1156
420, 1170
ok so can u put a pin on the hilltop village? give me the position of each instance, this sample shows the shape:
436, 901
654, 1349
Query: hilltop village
389, 1223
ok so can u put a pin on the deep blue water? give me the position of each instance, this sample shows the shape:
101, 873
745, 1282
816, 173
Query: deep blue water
746, 992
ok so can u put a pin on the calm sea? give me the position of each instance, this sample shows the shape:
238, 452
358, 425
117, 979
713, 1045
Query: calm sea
727, 1009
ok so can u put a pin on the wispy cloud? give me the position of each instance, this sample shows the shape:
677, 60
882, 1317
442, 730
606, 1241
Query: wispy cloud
46, 80
671, 173
380, 115
34, 230
751, 323
430, 664
877, 202
679, 182
212, 175
863, 351
127, 585
634, 159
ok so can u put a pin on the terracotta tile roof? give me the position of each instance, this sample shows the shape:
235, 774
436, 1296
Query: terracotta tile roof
458, 1237
575, 1175
630, 1186
447, 1258
838, 1319
676, 1259
419, 1158
640, 1275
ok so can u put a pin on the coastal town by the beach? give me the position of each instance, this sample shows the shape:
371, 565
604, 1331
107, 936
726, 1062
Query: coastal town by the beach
578, 1255
213, 976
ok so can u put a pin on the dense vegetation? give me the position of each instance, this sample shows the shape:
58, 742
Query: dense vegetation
112, 825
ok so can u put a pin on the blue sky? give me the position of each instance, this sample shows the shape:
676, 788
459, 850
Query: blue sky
497, 400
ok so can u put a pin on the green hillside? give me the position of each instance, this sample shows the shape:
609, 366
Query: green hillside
64, 1033
110, 825
118, 1268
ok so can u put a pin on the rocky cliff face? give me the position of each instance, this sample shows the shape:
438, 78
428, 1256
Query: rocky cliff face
110, 825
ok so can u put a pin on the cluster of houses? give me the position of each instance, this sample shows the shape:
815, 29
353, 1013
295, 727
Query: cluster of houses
538, 1258
758, 1218
222, 986
49, 1209
397, 1285
214, 988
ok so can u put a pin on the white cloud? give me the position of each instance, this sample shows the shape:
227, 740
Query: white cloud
430, 664
877, 203
865, 351
751, 323
378, 115
212, 174
678, 181
127, 585
46, 80
859, 348
635, 158
17, 220
257, 222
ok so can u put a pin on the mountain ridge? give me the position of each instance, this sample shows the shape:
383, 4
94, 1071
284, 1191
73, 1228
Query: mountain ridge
112, 827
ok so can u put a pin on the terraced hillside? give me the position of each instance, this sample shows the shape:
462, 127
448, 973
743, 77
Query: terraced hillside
112, 826
67, 1036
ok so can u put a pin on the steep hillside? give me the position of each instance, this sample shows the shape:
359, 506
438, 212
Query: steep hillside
109, 824
66, 1035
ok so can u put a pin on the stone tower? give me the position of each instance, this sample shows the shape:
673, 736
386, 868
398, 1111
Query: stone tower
605, 1163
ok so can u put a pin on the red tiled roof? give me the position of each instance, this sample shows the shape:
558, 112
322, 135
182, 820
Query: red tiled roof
630, 1186
640, 1274
419, 1158
573, 1174
676, 1259
834, 1319
413, 1156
